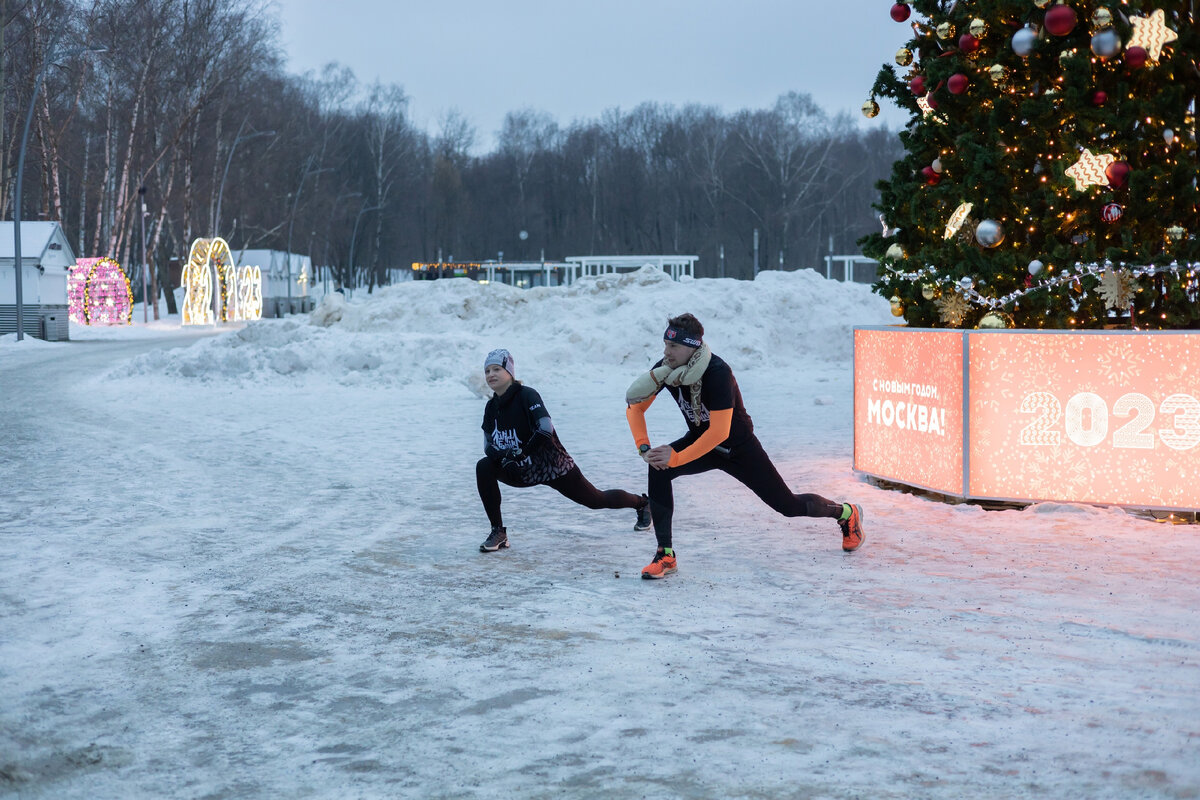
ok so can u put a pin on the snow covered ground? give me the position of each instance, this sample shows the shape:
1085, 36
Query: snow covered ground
244, 563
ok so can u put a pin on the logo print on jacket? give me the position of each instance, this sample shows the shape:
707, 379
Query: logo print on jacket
690, 413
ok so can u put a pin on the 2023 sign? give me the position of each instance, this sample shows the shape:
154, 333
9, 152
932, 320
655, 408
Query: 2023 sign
1086, 421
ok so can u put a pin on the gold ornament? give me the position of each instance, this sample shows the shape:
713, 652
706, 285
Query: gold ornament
995, 320
952, 307
1103, 18
1176, 233
897, 309
894, 253
928, 291
1116, 287
1151, 33
945, 31
998, 73
978, 28
870, 109
1041, 3
904, 56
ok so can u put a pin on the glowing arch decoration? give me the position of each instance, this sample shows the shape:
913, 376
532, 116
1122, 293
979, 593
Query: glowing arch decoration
98, 293
211, 274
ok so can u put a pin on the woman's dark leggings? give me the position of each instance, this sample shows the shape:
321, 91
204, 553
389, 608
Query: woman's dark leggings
573, 486
747, 463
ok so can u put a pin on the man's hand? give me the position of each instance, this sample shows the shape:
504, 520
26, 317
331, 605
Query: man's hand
659, 457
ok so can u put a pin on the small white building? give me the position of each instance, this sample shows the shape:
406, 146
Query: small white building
275, 277
46, 258
675, 266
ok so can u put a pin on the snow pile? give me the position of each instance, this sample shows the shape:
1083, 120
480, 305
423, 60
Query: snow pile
424, 331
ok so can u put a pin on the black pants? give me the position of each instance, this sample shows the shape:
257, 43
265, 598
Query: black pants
573, 486
747, 463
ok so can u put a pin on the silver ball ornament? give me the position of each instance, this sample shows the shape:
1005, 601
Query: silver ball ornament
1035, 267
1106, 43
966, 282
989, 233
1023, 41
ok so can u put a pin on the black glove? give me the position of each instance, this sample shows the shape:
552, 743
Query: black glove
511, 457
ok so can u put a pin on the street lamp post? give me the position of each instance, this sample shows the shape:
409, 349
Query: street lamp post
354, 234
37, 85
308, 170
228, 161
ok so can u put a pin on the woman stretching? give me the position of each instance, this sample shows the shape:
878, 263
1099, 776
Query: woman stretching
522, 449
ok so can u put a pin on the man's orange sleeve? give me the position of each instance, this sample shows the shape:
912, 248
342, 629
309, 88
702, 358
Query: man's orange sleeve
636, 415
718, 431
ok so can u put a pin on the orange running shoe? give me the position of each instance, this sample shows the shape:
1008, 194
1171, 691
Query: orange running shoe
852, 530
662, 566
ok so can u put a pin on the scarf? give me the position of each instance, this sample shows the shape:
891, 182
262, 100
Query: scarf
648, 383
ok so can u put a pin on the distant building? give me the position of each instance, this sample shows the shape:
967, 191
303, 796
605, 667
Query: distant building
275, 277
46, 258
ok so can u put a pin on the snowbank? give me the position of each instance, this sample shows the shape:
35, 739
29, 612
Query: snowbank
424, 331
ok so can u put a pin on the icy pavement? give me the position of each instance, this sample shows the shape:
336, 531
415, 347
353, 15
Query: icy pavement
247, 566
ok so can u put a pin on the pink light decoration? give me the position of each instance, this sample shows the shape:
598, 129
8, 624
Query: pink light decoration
98, 293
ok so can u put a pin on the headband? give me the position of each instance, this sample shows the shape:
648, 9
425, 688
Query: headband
677, 336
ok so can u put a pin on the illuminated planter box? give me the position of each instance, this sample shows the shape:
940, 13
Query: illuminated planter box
1084, 417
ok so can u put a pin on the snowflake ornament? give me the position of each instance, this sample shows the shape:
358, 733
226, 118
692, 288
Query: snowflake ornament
953, 307
1116, 287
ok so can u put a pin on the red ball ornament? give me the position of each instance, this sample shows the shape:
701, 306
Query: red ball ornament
1060, 20
958, 83
1136, 57
917, 84
929, 98
1099, 97
968, 43
1111, 213
900, 12
931, 176
1118, 174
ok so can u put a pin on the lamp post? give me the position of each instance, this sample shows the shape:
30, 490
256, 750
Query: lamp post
142, 218
228, 161
354, 234
37, 84
308, 170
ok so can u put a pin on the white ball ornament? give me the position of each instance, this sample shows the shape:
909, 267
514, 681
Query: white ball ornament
937, 165
1106, 43
1023, 41
1035, 267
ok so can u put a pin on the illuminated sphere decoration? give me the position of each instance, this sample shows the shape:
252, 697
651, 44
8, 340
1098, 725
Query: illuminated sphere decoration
1106, 43
1023, 41
897, 307
904, 56
958, 83
989, 233
968, 43
977, 28
998, 73
894, 253
945, 31
928, 291
1061, 20
901, 12
98, 293
1035, 267
995, 320
1102, 18
870, 109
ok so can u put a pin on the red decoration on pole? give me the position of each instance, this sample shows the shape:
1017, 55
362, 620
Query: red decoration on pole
900, 12
1118, 174
1136, 57
1060, 20
958, 83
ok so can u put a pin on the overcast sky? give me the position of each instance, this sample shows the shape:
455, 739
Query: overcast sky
574, 60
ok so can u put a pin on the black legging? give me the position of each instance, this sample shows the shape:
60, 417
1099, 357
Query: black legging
573, 486
747, 463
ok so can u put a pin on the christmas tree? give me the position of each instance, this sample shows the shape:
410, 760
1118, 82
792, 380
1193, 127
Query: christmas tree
1050, 175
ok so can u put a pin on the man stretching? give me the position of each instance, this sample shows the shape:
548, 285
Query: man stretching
720, 436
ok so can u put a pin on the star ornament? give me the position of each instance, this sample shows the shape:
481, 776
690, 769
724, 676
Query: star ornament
1151, 33
1089, 169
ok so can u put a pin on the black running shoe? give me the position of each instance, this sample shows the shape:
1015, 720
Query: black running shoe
497, 539
644, 520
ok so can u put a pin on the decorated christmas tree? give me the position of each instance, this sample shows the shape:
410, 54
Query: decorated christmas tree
1050, 175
